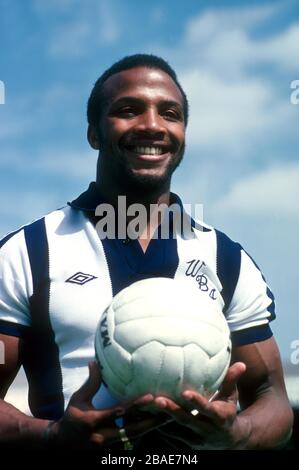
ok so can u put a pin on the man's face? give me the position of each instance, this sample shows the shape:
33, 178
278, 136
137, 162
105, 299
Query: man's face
142, 128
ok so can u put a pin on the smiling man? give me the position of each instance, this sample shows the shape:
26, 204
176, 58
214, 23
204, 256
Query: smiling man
57, 276
141, 130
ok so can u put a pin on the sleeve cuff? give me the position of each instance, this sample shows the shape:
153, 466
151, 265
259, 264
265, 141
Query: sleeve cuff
13, 329
251, 335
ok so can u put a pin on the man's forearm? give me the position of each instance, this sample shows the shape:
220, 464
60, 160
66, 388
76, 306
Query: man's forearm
267, 424
18, 428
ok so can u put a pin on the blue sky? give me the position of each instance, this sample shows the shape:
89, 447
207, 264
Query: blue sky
236, 60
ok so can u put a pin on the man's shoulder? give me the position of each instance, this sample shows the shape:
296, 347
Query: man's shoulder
210, 231
15, 240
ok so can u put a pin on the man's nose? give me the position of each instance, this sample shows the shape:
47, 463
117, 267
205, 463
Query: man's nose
151, 121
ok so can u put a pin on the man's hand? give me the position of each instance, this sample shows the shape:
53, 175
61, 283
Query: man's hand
83, 426
214, 424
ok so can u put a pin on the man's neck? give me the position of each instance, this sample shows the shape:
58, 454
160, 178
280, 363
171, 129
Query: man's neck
150, 202
110, 193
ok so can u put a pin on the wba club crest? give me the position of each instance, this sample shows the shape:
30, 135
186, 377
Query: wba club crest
194, 270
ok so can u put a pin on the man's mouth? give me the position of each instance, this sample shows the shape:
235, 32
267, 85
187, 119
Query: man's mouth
148, 150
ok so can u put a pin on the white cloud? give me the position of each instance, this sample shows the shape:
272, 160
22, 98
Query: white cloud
204, 27
229, 114
226, 112
18, 209
282, 49
28, 112
224, 40
25, 206
274, 191
70, 164
89, 24
13, 127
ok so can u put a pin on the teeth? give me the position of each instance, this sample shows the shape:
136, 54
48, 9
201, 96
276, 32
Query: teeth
148, 150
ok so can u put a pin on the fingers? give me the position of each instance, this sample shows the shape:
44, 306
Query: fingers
125, 408
141, 401
134, 425
130, 408
213, 413
178, 413
218, 412
137, 421
198, 424
231, 379
91, 386
196, 400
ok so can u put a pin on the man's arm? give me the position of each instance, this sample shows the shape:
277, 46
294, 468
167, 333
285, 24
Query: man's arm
81, 426
265, 420
262, 396
15, 426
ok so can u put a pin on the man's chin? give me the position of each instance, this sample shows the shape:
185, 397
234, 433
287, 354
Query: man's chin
146, 182
149, 179
143, 182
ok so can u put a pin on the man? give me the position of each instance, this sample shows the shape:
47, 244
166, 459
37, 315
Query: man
57, 276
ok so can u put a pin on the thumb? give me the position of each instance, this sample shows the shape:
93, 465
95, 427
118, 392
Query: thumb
91, 386
228, 387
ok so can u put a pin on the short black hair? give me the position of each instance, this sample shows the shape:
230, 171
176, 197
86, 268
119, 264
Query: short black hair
96, 99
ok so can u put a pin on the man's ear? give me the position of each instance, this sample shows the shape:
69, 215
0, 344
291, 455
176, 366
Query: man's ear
93, 137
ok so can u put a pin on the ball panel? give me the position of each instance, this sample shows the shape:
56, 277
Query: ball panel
158, 296
195, 368
149, 358
218, 366
170, 331
165, 370
114, 360
171, 375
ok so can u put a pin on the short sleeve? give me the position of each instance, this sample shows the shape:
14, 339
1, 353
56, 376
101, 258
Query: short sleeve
252, 305
15, 285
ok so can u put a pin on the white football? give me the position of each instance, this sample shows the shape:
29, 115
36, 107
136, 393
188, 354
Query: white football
162, 336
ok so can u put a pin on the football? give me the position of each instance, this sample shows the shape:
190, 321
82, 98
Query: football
162, 336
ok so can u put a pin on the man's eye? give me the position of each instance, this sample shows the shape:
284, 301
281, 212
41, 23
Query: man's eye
127, 111
172, 115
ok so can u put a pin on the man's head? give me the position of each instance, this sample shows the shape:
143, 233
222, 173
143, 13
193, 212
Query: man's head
97, 97
137, 114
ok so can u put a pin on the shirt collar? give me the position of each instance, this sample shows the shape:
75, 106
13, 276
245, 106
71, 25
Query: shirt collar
91, 198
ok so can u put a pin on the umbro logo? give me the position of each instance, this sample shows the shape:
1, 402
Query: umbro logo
80, 278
